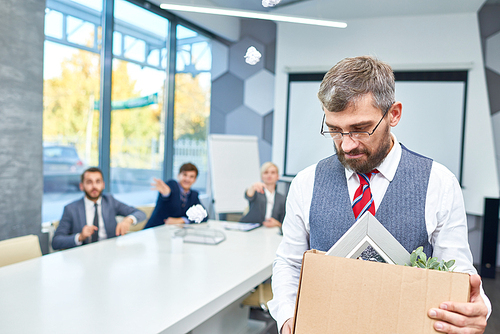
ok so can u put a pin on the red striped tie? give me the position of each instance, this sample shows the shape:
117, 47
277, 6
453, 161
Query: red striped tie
363, 200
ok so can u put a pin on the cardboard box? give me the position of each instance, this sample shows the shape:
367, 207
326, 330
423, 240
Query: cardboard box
348, 296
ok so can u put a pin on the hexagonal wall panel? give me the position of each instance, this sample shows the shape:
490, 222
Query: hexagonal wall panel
493, 81
493, 52
227, 93
260, 30
237, 64
267, 128
220, 52
217, 121
265, 151
259, 92
270, 62
243, 121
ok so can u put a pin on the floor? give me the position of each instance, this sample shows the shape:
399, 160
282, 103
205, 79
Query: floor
492, 290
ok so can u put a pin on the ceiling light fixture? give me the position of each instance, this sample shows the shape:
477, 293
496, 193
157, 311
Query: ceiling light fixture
252, 15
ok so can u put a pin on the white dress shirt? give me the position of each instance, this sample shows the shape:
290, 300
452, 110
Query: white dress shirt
89, 215
445, 220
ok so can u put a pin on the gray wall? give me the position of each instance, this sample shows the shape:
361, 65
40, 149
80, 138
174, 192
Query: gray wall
21, 86
242, 94
489, 24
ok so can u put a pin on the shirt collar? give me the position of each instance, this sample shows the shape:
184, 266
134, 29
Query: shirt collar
90, 204
267, 192
182, 189
390, 164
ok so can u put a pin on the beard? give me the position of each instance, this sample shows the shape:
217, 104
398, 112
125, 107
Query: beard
89, 196
370, 160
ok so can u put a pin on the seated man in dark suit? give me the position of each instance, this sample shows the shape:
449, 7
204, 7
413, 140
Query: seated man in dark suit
175, 198
93, 217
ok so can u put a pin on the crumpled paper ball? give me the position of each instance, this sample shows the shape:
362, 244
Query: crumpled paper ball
270, 3
196, 213
252, 56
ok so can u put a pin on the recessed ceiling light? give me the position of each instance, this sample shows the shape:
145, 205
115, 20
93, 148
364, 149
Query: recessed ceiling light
252, 15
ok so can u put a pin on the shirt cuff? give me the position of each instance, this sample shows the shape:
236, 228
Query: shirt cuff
186, 221
134, 220
77, 240
166, 196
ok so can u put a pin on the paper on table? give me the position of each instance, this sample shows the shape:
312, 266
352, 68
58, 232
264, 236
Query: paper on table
240, 226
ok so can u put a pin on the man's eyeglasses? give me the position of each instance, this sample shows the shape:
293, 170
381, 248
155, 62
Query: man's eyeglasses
355, 135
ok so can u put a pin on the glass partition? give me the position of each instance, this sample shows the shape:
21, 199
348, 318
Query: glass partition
72, 85
70, 117
137, 117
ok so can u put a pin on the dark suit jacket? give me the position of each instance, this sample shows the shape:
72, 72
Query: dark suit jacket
257, 211
74, 219
171, 206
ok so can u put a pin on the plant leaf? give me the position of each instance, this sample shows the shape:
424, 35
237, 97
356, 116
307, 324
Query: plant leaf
423, 257
413, 258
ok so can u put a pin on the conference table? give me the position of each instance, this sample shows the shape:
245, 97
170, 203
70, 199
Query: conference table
143, 282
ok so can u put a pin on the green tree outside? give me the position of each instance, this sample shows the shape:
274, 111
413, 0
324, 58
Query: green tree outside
136, 134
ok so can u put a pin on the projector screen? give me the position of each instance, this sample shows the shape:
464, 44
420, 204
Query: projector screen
432, 121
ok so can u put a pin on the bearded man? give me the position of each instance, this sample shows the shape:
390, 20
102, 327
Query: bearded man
93, 217
417, 199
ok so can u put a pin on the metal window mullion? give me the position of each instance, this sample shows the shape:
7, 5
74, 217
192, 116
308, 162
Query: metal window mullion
105, 101
71, 44
168, 158
96, 36
64, 27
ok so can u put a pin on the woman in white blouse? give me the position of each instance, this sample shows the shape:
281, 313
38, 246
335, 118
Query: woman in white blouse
266, 205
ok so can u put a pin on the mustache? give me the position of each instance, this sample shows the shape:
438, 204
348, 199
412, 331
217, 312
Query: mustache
353, 152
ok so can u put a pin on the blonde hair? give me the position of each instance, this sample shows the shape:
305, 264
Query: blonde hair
265, 166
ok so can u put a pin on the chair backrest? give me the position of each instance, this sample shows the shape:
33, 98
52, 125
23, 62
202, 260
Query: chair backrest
19, 249
55, 224
147, 209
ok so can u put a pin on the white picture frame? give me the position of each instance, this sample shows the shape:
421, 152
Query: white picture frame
368, 231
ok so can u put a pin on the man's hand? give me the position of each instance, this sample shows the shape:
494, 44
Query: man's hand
271, 222
174, 221
287, 327
462, 317
124, 226
160, 186
86, 232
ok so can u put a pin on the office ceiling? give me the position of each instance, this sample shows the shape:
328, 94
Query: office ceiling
348, 9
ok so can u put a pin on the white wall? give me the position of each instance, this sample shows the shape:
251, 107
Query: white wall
407, 43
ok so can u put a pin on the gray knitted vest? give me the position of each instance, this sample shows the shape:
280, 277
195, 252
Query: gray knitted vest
402, 210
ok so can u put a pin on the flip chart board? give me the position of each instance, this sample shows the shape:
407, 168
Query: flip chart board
234, 166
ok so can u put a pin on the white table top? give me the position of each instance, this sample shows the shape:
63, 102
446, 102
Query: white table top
137, 283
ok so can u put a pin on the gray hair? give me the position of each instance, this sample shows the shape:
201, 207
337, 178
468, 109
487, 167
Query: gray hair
352, 78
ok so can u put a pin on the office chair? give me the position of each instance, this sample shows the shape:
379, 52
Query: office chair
19, 249
148, 210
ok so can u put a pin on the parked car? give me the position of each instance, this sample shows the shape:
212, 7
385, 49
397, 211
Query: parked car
62, 168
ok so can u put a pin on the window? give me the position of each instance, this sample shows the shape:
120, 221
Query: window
192, 102
72, 86
137, 117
